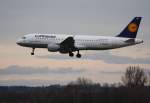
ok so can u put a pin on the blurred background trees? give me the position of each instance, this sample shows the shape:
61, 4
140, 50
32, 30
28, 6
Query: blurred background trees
135, 88
134, 77
82, 81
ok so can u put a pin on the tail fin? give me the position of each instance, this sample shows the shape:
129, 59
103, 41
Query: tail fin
132, 28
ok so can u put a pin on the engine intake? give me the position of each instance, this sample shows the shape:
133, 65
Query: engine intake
53, 47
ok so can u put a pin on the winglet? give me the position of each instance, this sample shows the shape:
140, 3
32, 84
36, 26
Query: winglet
131, 29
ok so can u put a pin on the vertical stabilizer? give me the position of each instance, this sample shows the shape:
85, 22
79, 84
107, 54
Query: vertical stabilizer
131, 29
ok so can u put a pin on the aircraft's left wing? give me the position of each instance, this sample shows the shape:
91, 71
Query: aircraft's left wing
68, 41
68, 44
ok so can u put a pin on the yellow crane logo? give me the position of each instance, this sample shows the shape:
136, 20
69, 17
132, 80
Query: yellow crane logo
132, 27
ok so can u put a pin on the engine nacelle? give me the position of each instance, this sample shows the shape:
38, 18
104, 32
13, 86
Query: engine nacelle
53, 47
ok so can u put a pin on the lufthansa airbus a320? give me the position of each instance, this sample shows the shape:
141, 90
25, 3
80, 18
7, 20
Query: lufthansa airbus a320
64, 43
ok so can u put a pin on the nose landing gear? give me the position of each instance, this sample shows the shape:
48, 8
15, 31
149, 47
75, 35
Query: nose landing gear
32, 53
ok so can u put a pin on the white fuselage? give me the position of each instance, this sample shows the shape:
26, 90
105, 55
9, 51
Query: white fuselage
82, 42
70, 43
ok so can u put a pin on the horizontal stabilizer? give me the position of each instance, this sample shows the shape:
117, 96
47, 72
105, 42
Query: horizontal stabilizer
130, 41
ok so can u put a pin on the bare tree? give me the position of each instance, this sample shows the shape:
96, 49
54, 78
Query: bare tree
134, 77
149, 79
82, 81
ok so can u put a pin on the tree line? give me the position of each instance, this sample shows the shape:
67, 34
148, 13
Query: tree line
135, 88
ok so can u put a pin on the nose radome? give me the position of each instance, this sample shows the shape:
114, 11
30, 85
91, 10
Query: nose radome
18, 42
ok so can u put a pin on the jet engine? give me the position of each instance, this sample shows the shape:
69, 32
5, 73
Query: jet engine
53, 47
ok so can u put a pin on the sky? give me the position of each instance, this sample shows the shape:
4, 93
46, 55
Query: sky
79, 17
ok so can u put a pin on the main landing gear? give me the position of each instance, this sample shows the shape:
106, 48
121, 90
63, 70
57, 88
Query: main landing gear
32, 53
78, 55
72, 54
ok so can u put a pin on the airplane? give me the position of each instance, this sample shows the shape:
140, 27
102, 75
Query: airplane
67, 44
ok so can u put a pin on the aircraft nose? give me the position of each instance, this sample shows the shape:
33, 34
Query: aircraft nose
18, 42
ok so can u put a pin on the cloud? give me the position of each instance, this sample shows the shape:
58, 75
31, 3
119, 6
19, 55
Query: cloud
17, 70
68, 16
116, 59
31, 82
121, 71
34, 76
111, 72
105, 56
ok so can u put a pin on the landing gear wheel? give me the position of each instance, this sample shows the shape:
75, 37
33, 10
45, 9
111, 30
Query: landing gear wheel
78, 55
71, 54
32, 53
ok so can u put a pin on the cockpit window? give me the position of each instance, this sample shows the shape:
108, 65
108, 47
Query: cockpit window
23, 37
